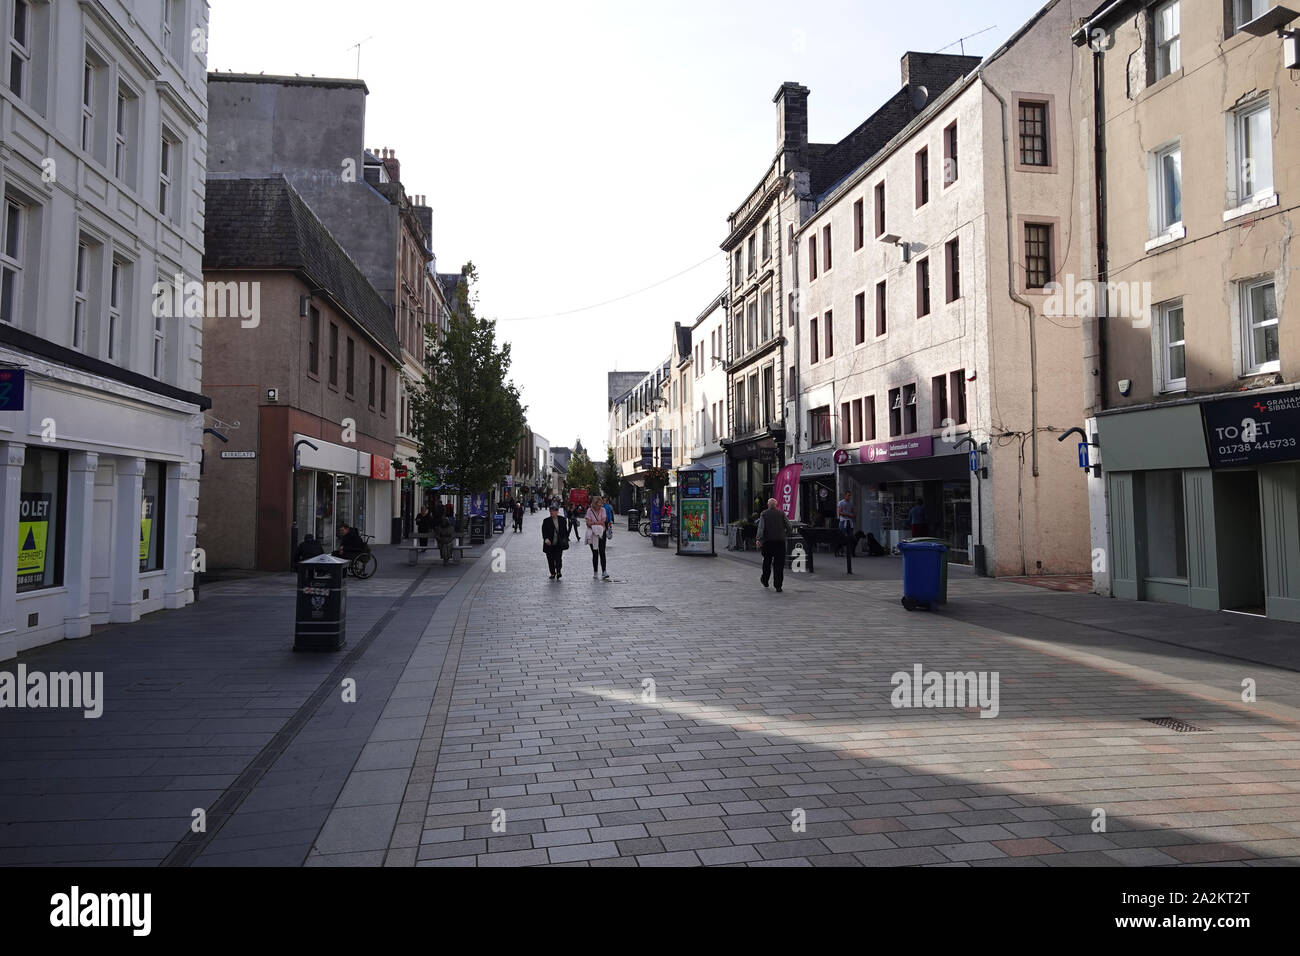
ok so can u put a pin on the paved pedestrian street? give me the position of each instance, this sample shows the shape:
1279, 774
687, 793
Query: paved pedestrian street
678, 715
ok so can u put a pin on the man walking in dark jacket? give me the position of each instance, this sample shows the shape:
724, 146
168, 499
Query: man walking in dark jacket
773, 528
555, 539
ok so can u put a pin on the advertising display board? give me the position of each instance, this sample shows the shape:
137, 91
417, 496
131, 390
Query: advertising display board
694, 512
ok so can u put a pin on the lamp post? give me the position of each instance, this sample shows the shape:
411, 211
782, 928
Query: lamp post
293, 534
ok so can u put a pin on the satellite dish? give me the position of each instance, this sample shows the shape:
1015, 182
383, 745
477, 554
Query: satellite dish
920, 96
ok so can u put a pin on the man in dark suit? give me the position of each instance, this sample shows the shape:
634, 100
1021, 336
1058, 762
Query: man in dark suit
555, 539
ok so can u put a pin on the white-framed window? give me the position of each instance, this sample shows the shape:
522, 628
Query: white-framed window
20, 49
159, 343
116, 297
766, 331
1167, 48
1168, 188
1243, 11
80, 305
751, 323
168, 148
1253, 129
125, 122
1259, 324
1173, 346
173, 27
11, 260
87, 105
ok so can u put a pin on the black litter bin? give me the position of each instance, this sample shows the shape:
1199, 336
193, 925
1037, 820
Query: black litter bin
321, 623
633, 519
477, 529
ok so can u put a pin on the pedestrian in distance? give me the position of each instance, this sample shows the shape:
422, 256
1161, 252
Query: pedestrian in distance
518, 515
424, 525
555, 541
773, 529
597, 523
575, 520
918, 520
444, 532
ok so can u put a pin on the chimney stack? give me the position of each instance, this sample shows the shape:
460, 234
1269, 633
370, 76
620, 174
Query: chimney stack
791, 116
392, 166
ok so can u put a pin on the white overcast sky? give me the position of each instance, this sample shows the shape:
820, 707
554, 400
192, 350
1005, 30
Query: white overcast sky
577, 152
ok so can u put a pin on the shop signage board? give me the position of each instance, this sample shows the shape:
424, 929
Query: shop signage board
897, 450
381, 468
1253, 429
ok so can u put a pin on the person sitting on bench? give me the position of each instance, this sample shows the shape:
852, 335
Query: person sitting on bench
350, 543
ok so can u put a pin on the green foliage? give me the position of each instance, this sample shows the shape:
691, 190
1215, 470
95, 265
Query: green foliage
466, 416
611, 482
582, 473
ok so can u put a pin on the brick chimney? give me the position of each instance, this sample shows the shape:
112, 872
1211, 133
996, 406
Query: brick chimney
935, 71
791, 116
392, 166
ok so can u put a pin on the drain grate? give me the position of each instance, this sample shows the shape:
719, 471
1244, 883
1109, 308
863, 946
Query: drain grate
1176, 725
639, 607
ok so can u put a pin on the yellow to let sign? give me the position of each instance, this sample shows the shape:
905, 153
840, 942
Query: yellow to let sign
146, 527
31, 546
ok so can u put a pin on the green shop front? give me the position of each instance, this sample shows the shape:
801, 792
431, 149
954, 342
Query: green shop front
1203, 500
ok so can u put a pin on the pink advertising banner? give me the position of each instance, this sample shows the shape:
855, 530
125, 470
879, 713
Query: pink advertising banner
786, 489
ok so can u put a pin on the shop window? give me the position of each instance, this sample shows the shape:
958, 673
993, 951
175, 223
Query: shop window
153, 509
1165, 525
42, 517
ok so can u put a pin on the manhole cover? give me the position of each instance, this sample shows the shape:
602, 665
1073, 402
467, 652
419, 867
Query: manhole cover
1176, 725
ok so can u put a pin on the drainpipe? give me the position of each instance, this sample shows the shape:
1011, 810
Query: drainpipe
1011, 284
1099, 172
794, 313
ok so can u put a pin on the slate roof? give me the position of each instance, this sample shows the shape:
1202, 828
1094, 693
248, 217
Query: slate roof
264, 224
449, 281
683, 342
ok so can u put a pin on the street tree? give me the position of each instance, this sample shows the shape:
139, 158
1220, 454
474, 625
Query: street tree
611, 482
582, 473
467, 418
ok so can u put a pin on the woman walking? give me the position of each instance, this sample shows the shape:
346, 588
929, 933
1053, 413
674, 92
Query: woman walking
596, 526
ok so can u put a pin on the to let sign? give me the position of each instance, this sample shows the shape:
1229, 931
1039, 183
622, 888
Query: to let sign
1253, 429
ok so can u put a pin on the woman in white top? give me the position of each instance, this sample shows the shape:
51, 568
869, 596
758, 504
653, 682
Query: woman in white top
596, 537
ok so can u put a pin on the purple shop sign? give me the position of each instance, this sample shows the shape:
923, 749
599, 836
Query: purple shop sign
896, 450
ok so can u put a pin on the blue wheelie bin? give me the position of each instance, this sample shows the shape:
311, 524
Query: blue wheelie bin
922, 573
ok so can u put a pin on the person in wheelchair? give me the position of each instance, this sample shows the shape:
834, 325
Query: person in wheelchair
350, 543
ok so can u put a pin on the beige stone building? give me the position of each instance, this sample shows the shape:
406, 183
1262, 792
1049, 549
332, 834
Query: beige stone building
1197, 173
924, 286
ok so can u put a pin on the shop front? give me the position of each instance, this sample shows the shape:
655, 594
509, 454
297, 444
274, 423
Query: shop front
912, 487
336, 485
1204, 502
751, 474
817, 492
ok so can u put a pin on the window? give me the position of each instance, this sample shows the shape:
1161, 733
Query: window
383, 389
869, 418
173, 28
1038, 255
812, 257
166, 173
42, 519
80, 307
826, 248
11, 260
846, 423
812, 340
313, 341
334, 354
922, 287
769, 393
950, 154
20, 49
124, 135
881, 294
752, 247
742, 426
766, 330
116, 294
1033, 134
922, 178
767, 239
1259, 320
859, 318
372, 381
830, 335
880, 209
790, 310
895, 412
736, 266
909, 409
859, 226
957, 396
938, 401
952, 268
1166, 28
1169, 188
88, 70
819, 425
1243, 11
159, 345
1173, 346
1254, 147
153, 513
791, 380
350, 379
857, 420
751, 324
